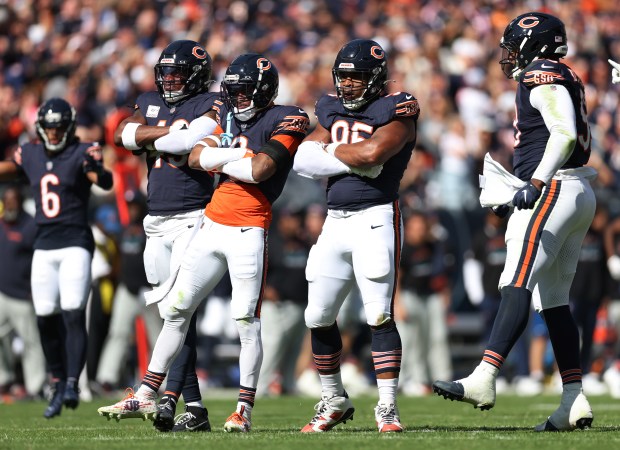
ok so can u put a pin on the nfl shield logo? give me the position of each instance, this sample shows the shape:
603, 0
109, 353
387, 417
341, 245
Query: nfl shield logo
49, 165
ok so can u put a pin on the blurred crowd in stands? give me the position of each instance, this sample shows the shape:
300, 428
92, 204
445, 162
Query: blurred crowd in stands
99, 55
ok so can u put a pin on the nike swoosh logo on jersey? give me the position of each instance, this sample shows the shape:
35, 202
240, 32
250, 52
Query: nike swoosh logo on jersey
243, 230
372, 227
408, 96
547, 67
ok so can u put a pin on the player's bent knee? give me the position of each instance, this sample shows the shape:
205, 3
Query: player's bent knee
377, 314
318, 317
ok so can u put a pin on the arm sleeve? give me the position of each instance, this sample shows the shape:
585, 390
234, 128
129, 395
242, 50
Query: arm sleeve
213, 157
181, 142
557, 110
311, 161
240, 170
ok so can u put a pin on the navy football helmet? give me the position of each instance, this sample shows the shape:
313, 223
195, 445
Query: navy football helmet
183, 69
58, 114
363, 60
529, 36
250, 85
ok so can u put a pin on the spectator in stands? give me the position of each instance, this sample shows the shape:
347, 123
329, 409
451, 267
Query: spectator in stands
17, 234
422, 306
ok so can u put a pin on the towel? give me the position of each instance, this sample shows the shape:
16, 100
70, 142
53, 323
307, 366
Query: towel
498, 186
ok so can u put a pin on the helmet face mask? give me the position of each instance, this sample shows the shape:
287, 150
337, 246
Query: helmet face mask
249, 85
360, 73
183, 69
55, 124
528, 37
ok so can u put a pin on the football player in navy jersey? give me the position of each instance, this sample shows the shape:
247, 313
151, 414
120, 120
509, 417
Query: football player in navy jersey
362, 143
60, 170
173, 118
252, 149
553, 211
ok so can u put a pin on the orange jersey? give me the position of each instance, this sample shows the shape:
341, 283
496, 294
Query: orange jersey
236, 203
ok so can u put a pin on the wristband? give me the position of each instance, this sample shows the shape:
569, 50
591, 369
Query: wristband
128, 136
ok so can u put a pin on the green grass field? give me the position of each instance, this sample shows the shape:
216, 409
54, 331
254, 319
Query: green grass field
431, 423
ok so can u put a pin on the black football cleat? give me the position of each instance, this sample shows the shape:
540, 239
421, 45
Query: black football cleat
164, 417
194, 419
55, 405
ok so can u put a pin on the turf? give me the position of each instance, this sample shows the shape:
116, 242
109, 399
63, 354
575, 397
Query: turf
431, 423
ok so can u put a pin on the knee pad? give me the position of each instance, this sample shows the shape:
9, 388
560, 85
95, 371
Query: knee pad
377, 313
317, 317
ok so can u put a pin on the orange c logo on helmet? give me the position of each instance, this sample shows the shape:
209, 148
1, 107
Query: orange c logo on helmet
529, 22
199, 52
263, 64
377, 52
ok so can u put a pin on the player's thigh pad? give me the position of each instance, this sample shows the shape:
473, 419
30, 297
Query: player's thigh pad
44, 282
74, 277
246, 255
157, 259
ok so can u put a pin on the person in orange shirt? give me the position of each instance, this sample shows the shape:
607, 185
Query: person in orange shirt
252, 151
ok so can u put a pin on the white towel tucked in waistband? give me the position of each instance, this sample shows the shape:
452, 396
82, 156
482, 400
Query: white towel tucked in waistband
498, 185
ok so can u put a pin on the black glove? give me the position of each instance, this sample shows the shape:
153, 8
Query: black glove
526, 197
93, 160
501, 211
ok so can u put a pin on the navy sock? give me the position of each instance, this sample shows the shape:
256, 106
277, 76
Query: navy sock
52, 331
76, 341
326, 349
564, 336
509, 324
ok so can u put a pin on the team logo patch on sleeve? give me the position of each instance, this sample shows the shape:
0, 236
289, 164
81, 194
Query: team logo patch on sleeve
536, 77
408, 108
297, 124
152, 111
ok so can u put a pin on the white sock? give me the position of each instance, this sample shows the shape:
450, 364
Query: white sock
332, 384
146, 392
387, 390
244, 410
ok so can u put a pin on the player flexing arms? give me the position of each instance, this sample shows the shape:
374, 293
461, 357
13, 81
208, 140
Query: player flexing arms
60, 171
372, 137
234, 232
554, 211
179, 113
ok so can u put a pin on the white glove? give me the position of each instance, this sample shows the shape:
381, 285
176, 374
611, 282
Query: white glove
613, 264
615, 72
371, 172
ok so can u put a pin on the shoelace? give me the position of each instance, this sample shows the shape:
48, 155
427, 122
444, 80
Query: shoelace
320, 408
184, 418
388, 414
129, 394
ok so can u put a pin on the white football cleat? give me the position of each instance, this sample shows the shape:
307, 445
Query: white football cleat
477, 389
387, 418
131, 407
330, 411
574, 412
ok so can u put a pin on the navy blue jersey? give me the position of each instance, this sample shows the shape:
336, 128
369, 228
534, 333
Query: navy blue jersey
531, 133
243, 204
16, 248
61, 193
352, 192
173, 187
